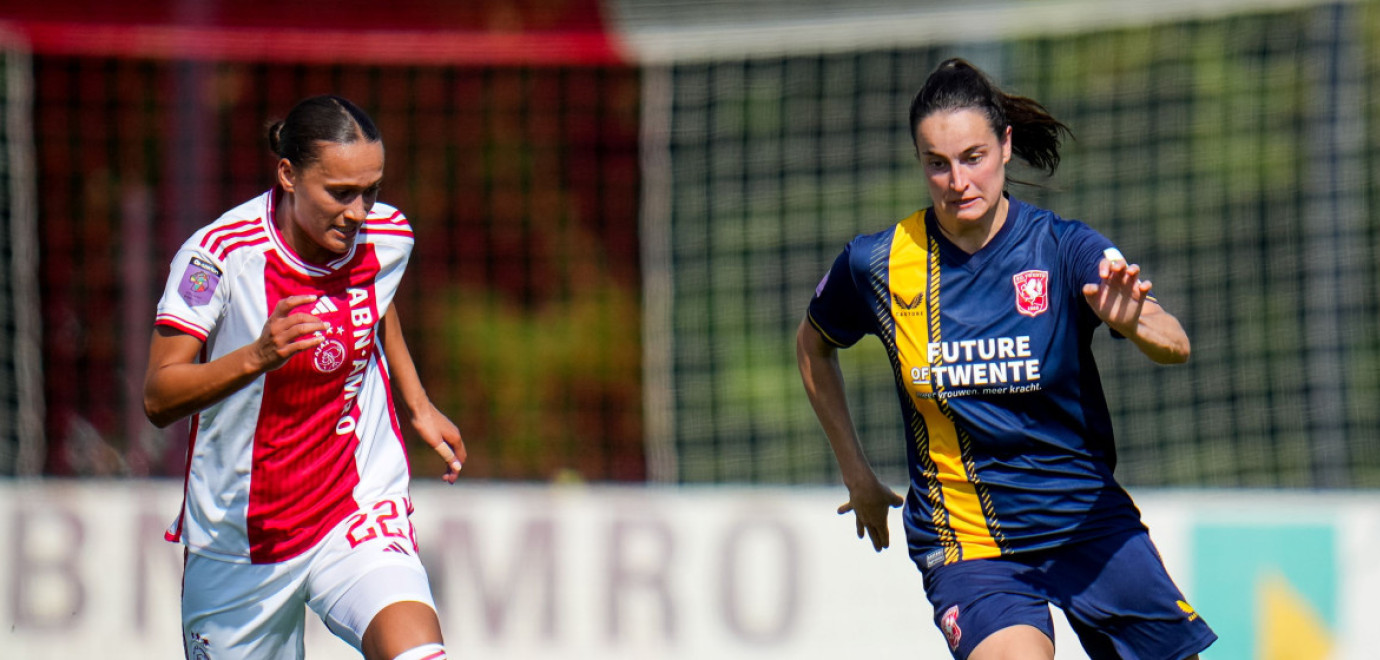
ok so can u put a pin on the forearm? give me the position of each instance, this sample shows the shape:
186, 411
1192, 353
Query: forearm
824, 385
177, 390
401, 369
1160, 336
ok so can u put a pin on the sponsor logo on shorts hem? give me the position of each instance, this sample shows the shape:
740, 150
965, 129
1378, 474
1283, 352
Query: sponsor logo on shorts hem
198, 647
949, 624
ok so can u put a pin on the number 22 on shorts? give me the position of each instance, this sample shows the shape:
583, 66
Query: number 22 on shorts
385, 520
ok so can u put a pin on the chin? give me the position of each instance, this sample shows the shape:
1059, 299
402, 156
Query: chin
341, 245
974, 214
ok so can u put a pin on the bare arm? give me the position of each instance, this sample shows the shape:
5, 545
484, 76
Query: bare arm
1120, 301
434, 427
176, 385
868, 498
1159, 336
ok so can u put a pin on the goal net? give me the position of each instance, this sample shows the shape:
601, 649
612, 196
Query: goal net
21, 392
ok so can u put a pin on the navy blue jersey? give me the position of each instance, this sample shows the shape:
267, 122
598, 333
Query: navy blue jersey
1010, 443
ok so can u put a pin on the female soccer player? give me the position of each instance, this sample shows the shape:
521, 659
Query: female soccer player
987, 307
277, 333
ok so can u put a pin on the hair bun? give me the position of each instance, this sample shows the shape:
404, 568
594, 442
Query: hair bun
275, 138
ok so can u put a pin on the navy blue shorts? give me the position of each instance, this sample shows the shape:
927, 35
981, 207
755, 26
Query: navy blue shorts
1115, 592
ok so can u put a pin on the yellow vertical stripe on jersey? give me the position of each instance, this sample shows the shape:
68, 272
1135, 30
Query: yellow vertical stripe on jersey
916, 326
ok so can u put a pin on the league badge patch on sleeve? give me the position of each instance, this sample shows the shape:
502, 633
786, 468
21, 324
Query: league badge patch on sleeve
819, 288
199, 282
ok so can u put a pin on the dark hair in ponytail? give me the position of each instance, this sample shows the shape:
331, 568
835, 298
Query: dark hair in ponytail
958, 85
317, 120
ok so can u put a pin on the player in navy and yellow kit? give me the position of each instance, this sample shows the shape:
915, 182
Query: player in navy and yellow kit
987, 307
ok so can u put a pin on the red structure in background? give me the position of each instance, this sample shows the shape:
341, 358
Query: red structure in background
511, 130
484, 32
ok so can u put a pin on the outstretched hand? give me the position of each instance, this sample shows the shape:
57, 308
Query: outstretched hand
870, 505
443, 436
1119, 297
283, 333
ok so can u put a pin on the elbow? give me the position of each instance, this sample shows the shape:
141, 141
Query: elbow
157, 412
1174, 358
1177, 354
157, 417
1181, 356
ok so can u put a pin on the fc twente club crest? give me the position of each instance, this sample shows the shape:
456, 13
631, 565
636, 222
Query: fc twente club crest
1032, 292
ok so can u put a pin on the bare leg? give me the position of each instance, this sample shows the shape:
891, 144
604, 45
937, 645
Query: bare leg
399, 627
1015, 643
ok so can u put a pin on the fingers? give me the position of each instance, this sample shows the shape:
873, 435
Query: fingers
881, 537
286, 334
444, 438
1118, 275
286, 305
297, 333
296, 324
877, 533
874, 528
452, 461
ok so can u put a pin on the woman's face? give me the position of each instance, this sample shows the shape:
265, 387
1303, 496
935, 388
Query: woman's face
964, 163
329, 199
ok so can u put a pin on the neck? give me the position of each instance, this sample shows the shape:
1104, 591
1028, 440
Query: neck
973, 236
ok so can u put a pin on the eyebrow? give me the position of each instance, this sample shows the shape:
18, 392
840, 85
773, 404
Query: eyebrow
351, 186
930, 152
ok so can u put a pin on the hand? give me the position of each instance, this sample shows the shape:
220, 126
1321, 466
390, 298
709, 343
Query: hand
443, 436
282, 335
869, 506
1118, 299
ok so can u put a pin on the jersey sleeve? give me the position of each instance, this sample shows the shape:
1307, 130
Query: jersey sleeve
195, 295
391, 233
837, 310
1083, 248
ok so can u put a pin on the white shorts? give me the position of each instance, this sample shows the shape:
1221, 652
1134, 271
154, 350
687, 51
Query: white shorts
236, 611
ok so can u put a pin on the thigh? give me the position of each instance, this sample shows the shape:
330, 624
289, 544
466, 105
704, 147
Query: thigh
973, 599
1125, 605
241, 611
367, 563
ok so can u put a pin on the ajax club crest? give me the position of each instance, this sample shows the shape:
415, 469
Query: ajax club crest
1032, 292
330, 354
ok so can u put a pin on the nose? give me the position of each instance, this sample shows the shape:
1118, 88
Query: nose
356, 211
957, 181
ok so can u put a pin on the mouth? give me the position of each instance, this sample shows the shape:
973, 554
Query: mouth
347, 233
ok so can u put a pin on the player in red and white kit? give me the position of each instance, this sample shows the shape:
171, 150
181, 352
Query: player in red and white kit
276, 333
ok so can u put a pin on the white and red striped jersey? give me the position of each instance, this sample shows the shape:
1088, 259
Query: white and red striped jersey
274, 466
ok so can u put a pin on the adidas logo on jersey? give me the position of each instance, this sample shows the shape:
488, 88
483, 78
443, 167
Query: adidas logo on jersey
324, 306
397, 547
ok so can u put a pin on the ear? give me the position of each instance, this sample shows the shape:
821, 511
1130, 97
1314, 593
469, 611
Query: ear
1006, 145
287, 176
